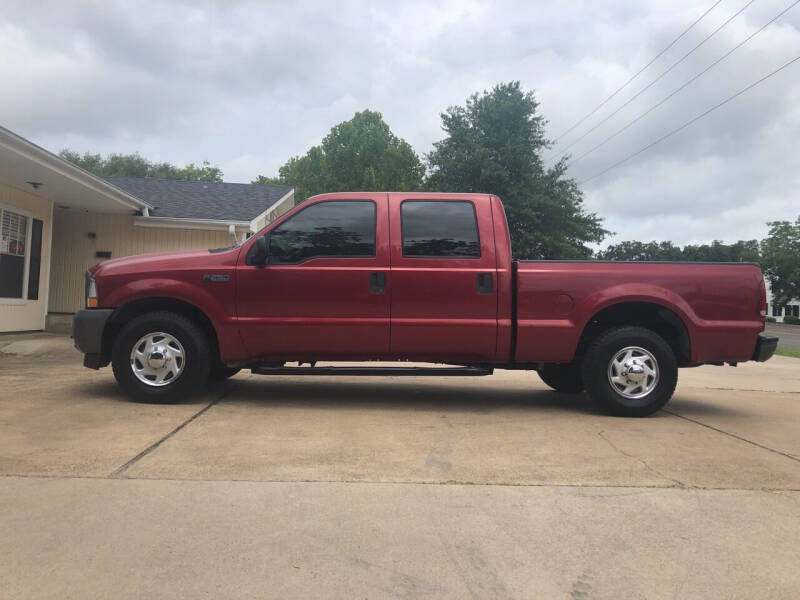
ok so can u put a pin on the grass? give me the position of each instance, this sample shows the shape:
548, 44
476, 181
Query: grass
792, 352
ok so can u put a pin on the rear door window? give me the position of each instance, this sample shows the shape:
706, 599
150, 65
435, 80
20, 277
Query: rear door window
439, 229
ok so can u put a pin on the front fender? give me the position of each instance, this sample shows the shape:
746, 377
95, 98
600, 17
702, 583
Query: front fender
217, 303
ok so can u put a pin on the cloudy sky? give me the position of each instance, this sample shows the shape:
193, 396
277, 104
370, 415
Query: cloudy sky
246, 85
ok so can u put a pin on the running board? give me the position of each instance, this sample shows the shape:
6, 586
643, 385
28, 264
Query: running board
373, 371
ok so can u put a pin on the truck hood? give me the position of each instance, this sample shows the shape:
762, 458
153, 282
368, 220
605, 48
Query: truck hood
161, 261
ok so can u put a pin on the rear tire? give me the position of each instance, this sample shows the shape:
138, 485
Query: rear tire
161, 357
562, 377
630, 371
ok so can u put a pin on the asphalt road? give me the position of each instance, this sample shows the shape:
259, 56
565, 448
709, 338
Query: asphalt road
491, 487
789, 334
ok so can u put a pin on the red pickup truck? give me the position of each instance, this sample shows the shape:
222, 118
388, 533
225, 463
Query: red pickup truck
414, 277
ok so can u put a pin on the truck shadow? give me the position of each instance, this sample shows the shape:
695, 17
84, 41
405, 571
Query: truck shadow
395, 394
399, 394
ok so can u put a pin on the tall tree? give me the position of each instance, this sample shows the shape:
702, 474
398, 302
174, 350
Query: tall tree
135, 165
493, 145
780, 255
716, 251
361, 154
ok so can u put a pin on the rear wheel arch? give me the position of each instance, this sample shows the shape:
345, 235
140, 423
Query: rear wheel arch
649, 315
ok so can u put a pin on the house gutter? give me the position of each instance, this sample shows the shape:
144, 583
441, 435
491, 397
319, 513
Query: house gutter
36, 154
179, 223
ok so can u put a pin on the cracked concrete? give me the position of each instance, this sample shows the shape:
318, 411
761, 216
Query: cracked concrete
379, 487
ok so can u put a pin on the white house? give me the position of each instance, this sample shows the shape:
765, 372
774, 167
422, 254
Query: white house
781, 311
57, 220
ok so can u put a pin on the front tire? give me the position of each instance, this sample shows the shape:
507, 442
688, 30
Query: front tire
161, 357
630, 372
562, 377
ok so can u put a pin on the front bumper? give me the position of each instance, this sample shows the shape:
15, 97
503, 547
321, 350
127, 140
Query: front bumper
765, 347
87, 335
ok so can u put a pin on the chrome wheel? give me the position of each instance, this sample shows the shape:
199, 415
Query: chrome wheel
633, 372
157, 359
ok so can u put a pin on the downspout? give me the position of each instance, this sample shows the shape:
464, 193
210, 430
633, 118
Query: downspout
232, 232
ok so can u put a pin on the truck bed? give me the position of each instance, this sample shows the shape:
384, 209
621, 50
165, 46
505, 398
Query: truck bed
717, 303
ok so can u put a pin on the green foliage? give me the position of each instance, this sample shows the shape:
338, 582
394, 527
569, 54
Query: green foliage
716, 251
361, 154
791, 320
741, 251
135, 165
493, 145
780, 252
264, 180
633, 250
790, 352
771, 320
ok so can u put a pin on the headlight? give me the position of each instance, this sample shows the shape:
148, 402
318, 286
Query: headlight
91, 291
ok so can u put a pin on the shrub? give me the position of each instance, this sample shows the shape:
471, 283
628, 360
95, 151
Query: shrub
771, 320
791, 320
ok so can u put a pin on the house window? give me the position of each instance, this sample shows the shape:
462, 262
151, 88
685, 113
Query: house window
793, 310
13, 248
776, 310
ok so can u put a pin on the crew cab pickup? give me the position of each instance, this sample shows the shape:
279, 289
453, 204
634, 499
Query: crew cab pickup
357, 277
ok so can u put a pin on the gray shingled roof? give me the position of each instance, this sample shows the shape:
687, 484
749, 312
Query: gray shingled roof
201, 200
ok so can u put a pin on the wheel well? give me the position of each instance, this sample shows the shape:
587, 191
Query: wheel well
651, 316
130, 311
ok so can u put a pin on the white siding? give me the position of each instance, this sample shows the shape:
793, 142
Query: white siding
28, 315
74, 251
280, 211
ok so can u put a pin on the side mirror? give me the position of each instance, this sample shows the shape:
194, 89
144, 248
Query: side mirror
258, 252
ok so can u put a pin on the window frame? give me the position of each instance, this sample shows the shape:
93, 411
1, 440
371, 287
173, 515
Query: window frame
23, 298
322, 256
440, 257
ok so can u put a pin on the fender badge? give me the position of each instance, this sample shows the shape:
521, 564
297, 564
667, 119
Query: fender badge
216, 277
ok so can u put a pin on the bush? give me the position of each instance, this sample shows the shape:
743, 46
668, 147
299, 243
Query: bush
791, 320
771, 320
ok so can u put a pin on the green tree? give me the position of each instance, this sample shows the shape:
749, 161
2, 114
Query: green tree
741, 251
633, 250
780, 256
493, 145
264, 180
361, 154
135, 165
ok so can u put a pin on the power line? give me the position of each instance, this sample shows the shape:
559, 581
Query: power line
686, 84
691, 121
639, 72
656, 80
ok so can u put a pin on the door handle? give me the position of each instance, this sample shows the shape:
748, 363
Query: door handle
377, 282
485, 283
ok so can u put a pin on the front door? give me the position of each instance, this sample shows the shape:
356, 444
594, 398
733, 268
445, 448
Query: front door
323, 293
444, 278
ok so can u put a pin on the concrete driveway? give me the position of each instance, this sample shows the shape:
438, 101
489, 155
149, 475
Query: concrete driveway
491, 487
